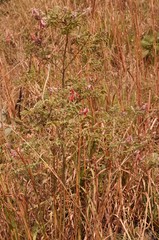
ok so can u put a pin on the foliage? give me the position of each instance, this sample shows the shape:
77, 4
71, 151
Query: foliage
79, 120
150, 45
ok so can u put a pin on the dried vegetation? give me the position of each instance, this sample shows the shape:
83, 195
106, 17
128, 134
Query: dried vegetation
79, 129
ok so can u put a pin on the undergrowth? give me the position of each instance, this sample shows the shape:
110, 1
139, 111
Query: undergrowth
79, 129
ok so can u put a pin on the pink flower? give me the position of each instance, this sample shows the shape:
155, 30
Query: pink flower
89, 87
129, 139
73, 95
43, 23
84, 111
37, 40
36, 14
9, 38
13, 153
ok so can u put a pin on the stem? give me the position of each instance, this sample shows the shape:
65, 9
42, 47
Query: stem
62, 214
64, 62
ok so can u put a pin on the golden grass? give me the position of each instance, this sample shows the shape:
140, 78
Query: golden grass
79, 120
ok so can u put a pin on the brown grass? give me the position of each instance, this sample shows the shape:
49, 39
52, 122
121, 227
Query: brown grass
79, 123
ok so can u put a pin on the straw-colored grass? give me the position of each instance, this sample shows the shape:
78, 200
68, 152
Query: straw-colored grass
79, 126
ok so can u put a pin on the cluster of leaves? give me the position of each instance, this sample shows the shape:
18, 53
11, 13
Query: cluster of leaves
62, 21
150, 45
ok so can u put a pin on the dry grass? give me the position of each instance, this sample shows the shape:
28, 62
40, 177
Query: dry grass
79, 128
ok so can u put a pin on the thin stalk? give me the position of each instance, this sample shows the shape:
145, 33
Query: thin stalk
62, 213
78, 173
64, 61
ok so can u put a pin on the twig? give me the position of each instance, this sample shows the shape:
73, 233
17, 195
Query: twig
46, 81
